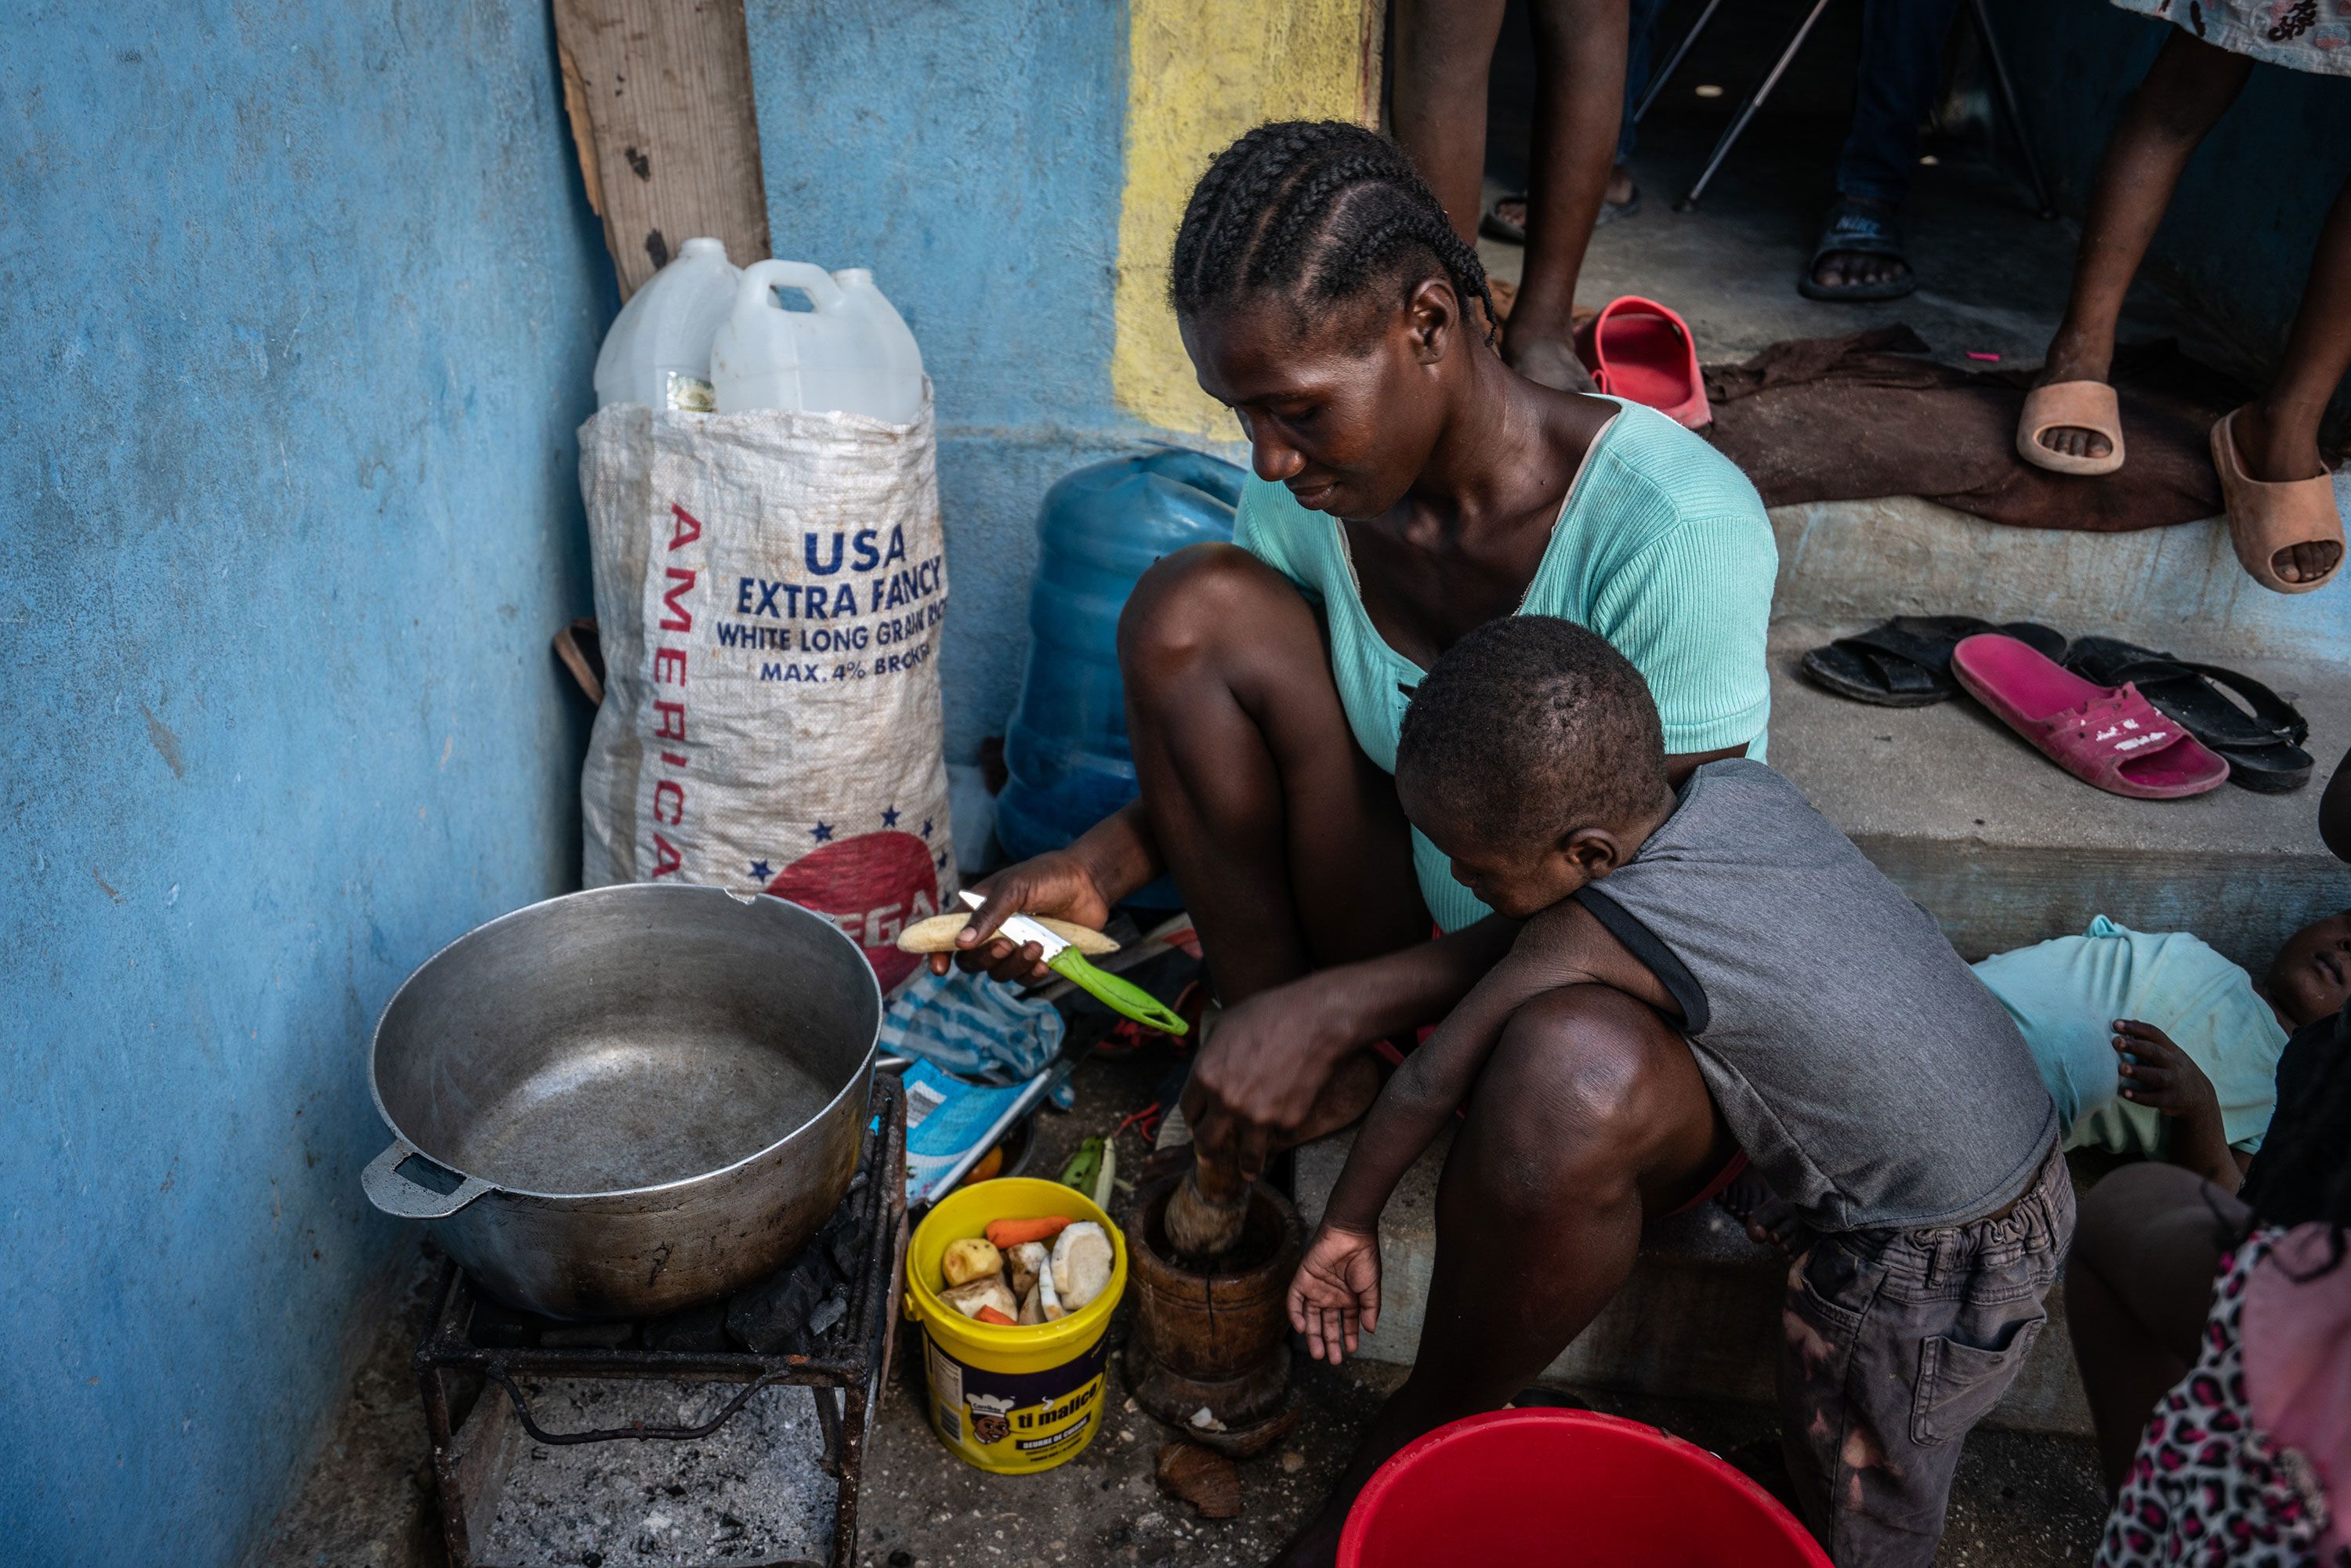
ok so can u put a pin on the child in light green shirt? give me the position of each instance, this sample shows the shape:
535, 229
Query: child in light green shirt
2154, 1045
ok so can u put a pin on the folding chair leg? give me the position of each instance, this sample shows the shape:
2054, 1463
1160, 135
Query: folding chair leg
1674, 63
1982, 15
1754, 101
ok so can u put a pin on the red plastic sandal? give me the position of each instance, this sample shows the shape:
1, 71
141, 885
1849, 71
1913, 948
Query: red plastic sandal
1638, 349
2109, 736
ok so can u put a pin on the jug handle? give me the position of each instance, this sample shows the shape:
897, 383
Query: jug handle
805, 276
402, 1199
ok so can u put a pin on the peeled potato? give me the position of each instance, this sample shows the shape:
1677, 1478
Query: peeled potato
1082, 1264
991, 1291
937, 935
974, 1258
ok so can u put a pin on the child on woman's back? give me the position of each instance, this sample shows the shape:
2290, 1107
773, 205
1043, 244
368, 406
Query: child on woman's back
1870, 1078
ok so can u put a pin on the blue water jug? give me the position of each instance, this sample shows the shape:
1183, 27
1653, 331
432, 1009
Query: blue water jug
1066, 752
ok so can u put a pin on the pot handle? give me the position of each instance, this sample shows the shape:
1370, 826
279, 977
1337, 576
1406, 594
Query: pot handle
404, 1199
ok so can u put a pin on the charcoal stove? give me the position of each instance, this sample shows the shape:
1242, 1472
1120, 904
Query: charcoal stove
731, 1433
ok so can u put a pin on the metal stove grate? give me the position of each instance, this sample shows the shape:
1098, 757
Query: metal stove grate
683, 1472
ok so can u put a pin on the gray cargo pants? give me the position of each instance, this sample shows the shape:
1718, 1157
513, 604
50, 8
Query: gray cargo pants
1895, 1343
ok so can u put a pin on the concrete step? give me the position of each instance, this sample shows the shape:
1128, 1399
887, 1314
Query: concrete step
2004, 848
1700, 1318
1856, 563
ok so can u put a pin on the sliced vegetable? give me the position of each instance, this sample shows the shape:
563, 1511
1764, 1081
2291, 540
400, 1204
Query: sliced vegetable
1049, 1300
1083, 1167
1106, 1179
971, 1258
1010, 1233
1082, 1263
1031, 1309
991, 1315
991, 1291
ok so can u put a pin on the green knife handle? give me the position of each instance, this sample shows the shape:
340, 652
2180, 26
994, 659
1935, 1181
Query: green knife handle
1122, 996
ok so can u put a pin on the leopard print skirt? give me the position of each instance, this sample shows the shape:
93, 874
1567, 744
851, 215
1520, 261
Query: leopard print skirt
2207, 1489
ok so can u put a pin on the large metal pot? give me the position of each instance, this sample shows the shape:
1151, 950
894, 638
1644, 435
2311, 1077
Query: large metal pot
625, 1101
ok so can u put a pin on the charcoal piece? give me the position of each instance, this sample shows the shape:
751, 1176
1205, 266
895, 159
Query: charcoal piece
701, 1328
772, 1317
829, 1311
845, 1245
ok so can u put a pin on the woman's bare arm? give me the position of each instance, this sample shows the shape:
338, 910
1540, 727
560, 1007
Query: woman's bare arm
1563, 946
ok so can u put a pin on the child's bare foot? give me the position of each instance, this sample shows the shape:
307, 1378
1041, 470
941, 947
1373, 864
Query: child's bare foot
1770, 1221
2275, 450
2072, 359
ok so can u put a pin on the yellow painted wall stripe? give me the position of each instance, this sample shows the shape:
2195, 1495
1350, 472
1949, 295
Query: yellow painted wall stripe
1199, 73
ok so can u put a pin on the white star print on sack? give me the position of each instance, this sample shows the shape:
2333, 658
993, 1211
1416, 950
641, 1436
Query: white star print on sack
769, 589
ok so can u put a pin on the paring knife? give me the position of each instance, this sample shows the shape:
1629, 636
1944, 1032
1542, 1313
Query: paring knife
1122, 996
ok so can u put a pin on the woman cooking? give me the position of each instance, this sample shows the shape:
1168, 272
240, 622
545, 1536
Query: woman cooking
1408, 487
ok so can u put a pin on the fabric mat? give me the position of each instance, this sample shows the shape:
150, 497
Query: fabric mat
1853, 418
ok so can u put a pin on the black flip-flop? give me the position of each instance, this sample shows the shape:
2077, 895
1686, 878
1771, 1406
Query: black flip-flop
1860, 229
1907, 661
2263, 747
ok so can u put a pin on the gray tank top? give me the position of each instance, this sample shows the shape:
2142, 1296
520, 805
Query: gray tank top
1871, 1078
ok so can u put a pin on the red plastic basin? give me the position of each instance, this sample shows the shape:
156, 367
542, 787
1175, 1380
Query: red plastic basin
1567, 1487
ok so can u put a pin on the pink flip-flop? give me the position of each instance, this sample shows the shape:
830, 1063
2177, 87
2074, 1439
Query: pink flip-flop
1638, 349
2109, 736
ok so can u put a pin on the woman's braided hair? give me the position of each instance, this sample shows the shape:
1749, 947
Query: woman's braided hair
1317, 210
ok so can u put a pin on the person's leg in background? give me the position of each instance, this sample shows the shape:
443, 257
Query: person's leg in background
1579, 104
1901, 68
2190, 85
2137, 1288
1640, 59
2277, 433
1444, 50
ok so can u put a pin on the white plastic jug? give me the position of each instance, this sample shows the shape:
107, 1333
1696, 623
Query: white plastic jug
658, 352
852, 353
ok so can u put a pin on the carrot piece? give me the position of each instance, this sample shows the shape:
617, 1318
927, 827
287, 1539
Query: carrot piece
991, 1315
1009, 1233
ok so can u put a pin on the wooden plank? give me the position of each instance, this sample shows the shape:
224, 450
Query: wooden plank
659, 93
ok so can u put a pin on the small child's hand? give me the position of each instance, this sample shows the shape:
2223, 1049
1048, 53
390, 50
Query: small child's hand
1337, 1282
2159, 1075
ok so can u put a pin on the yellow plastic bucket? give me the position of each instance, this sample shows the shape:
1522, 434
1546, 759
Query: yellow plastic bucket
1011, 1400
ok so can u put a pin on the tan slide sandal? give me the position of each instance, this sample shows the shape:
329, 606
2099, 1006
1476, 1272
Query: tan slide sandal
2085, 405
2265, 517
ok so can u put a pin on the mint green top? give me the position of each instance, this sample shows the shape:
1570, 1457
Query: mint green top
1661, 546
2064, 994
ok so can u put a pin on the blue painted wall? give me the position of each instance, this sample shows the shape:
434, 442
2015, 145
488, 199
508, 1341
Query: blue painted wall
972, 157
2240, 229
301, 302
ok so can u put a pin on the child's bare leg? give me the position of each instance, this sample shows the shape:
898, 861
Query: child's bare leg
2188, 89
1590, 1115
2277, 433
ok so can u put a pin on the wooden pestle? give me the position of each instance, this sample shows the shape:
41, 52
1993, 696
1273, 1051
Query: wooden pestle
1206, 1210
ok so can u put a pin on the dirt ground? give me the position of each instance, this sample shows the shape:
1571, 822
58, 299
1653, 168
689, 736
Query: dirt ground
2023, 1501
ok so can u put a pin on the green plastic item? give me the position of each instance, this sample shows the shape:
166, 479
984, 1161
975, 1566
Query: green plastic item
1122, 996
